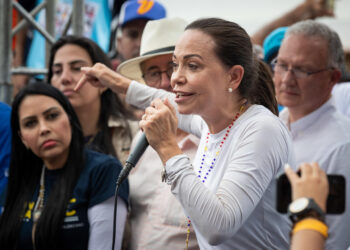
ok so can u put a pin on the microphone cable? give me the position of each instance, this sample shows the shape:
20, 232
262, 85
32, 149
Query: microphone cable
120, 179
115, 215
129, 164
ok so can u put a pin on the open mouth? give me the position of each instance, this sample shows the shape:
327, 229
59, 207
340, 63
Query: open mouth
183, 97
182, 94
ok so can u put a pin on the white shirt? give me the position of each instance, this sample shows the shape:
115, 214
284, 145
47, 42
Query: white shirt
235, 207
101, 224
324, 136
341, 94
157, 218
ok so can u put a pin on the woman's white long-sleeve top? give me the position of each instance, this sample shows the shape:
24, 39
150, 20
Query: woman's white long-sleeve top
235, 208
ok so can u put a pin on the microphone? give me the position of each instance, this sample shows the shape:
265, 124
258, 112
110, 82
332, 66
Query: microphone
133, 158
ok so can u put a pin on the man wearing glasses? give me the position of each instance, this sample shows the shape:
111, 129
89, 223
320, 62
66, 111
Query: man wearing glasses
305, 71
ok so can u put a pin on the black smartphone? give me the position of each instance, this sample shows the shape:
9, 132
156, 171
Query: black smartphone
335, 200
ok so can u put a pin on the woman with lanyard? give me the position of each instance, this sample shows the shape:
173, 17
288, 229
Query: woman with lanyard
59, 194
228, 192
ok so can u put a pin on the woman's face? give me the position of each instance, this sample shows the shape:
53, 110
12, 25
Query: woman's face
45, 129
200, 80
66, 73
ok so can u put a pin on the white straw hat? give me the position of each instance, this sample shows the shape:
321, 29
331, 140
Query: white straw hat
158, 38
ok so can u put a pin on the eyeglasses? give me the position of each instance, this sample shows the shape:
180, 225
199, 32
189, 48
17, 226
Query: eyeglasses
298, 73
155, 76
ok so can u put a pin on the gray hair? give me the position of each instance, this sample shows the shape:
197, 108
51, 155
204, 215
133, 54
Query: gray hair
311, 28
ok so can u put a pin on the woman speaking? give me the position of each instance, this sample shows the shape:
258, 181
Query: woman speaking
228, 192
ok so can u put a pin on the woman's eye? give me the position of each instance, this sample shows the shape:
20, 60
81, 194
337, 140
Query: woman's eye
174, 65
56, 72
76, 69
52, 116
193, 66
29, 124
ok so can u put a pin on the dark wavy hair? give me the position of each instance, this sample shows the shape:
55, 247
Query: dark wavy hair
234, 47
110, 103
24, 176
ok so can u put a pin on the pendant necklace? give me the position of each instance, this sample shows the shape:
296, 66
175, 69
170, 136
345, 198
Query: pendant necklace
202, 174
39, 205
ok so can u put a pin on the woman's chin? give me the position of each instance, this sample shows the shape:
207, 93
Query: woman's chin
185, 110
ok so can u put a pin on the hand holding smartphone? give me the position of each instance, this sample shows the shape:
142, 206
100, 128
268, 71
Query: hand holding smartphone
335, 202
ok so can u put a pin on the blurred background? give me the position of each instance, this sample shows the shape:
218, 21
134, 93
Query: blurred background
99, 21
253, 14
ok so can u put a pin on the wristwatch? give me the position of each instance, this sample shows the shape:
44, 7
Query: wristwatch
305, 207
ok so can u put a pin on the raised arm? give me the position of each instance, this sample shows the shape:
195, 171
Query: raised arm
101, 76
309, 9
137, 94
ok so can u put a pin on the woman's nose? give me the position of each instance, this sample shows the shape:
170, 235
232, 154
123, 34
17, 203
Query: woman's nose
44, 128
66, 77
177, 77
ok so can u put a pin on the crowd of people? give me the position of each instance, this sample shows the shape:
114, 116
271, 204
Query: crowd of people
225, 115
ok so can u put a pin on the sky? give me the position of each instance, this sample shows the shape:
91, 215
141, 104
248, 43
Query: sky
253, 14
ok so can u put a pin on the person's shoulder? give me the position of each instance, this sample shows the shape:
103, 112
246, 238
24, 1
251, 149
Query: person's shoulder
100, 167
118, 122
261, 115
340, 87
265, 132
332, 114
4, 108
341, 96
341, 124
95, 159
5, 116
341, 117
341, 93
259, 119
101, 172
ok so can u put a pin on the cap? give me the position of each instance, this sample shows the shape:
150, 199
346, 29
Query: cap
272, 43
141, 9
